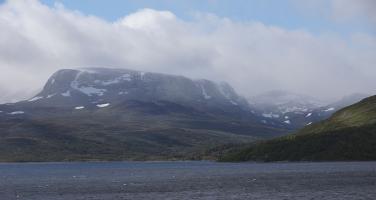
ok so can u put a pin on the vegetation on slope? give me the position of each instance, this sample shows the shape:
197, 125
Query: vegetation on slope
350, 134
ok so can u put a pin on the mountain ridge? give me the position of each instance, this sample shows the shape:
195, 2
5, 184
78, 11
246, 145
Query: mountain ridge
350, 134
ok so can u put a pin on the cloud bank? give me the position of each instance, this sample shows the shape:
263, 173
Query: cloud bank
340, 10
36, 40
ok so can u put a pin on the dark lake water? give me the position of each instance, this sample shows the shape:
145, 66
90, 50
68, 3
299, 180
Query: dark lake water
187, 180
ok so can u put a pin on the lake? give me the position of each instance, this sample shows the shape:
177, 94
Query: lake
187, 180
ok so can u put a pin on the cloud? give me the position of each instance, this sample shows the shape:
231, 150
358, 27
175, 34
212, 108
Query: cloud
347, 9
36, 40
341, 11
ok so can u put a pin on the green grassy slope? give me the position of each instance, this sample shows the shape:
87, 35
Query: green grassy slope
350, 134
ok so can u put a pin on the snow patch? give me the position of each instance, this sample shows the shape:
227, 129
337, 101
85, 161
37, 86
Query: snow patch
270, 115
35, 98
90, 91
79, 107
17, 113
233, 102
292, 109
286, 117
122, 93
222, 91
103, 105
287, 122
309, 124
225, 93
308, 115
124, 77
50, 95
206, 96
66, 94
329, 109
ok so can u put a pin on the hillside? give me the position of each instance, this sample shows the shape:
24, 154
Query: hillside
350, 134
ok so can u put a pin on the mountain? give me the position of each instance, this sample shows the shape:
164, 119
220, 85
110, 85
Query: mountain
297, 110
349, 134
285, 102
84, 86
119, 114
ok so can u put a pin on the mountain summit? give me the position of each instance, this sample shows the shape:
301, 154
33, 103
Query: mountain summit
69, 87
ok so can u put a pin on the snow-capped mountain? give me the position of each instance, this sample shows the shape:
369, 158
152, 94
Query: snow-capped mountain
285, 107
285, 102
86, 87
297, 110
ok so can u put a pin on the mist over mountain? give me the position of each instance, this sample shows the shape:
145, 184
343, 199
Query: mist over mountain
100, 85
10, 95
349, 134
298, 110
285, 101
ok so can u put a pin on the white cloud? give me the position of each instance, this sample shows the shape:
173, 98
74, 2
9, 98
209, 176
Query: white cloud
346, 9
36, 40
148, 19
341, 11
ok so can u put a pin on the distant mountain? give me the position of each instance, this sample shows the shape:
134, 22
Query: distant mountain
285, 102
350, 134
297, 110
117, 114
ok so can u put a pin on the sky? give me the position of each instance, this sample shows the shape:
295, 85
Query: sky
323, 48
284, 13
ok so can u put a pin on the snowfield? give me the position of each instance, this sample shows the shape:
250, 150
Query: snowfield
103, 105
